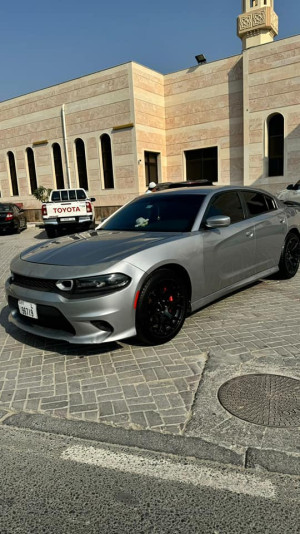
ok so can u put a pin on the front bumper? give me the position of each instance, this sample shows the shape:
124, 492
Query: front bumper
93, 320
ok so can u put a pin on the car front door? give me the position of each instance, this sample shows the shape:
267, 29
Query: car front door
228, 252
270, 228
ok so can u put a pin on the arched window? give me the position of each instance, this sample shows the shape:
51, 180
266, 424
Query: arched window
31, 169
276, 145
107, 161
81, 164
59, 175
13, 174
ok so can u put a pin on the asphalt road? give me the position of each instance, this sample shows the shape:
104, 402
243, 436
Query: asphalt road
56, 484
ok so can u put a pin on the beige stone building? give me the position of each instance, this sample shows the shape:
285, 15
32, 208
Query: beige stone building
234, 121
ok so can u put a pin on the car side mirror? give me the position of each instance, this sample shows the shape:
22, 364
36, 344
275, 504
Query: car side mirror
217, 221
92, 199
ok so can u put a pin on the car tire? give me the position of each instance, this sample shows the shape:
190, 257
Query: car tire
51, 232
18, 228
290, 257
161, 308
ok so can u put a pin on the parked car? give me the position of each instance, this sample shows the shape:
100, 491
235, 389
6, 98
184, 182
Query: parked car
12, 218
153, 261
188, 183
67, 208
291, 194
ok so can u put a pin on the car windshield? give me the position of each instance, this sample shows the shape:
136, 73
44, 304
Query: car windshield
159, 213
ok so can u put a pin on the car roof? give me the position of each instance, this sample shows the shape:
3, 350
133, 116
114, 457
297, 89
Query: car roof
206, 190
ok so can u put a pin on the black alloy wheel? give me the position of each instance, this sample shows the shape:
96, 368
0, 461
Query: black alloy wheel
161, 307
290, 257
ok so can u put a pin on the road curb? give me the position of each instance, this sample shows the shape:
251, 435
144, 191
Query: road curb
143, 439
249, 458
287, 463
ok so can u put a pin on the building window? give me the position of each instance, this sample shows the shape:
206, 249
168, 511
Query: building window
13, 174
81, 164
275, 145
202, 164
151, 167
59, 175
107, 164
31, 169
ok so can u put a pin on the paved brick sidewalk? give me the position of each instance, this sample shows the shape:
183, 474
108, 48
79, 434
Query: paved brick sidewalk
140, 387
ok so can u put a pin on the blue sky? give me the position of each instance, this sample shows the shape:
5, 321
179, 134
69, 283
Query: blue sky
45, 44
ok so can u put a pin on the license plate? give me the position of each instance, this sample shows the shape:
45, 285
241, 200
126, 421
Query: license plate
67, 219
28, 309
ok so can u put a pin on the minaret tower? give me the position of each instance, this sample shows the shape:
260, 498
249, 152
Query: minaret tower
258, 24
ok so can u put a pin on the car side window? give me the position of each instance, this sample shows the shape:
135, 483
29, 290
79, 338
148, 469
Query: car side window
229, 204
270, 203
256, 203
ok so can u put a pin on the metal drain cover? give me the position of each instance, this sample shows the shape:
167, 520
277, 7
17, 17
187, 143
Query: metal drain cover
269, 400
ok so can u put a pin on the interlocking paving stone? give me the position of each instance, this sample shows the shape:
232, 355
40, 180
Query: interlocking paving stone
128, 385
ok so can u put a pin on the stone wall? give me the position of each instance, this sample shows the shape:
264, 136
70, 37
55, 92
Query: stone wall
149, 109
272, 85
204, 109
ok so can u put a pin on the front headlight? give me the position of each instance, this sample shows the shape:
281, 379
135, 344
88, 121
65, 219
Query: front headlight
95, 284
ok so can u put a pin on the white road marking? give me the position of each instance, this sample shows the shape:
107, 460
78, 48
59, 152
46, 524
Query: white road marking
165, 469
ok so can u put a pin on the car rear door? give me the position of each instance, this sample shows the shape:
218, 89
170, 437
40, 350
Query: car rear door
228, 252
270, 228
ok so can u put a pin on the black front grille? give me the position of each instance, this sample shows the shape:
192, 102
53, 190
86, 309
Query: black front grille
38, 284
48, 317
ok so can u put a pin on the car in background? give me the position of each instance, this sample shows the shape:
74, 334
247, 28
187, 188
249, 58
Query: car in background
12, 218
188, 183
156, 259
68, 209
291, 194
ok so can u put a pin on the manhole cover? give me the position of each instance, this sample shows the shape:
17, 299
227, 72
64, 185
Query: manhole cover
269, 400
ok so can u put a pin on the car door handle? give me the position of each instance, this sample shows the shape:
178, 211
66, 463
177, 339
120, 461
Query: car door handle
250, 234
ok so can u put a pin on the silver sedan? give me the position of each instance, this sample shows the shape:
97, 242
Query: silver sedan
151, 263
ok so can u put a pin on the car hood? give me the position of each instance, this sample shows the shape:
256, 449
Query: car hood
103, 247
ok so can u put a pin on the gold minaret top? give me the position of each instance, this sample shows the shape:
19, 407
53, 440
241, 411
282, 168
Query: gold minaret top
258, 23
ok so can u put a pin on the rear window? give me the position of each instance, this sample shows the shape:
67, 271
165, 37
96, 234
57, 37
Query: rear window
68, 194
159, 213
81, 194
55, 197
4, 208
